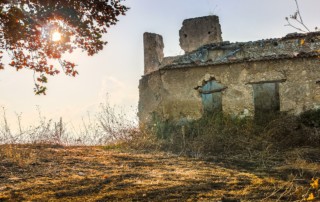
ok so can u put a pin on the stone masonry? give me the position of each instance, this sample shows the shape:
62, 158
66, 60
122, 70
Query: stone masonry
240, 79
153, 51
199, 31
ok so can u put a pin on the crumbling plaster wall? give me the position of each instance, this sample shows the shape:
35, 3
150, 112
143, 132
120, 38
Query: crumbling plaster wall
170, 93
153, 51
169, 88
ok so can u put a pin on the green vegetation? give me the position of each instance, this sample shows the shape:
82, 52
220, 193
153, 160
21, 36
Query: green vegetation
222, 134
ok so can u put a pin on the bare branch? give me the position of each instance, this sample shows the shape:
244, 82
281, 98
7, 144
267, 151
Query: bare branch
297, 17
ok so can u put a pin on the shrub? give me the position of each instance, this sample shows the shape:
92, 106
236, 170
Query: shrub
310, 118
219, 134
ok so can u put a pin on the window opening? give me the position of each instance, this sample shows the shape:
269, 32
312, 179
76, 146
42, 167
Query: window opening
266, 99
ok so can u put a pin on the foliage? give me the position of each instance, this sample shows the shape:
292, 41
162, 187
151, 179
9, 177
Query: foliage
220, 134
311, 118
28, 28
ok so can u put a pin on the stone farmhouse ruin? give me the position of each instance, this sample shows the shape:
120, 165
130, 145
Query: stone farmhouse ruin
240, 79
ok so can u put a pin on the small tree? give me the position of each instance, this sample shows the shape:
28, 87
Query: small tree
34, 31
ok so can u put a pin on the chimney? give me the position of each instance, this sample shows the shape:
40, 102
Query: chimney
153, 51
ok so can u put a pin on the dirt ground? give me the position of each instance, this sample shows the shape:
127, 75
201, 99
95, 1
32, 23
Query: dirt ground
55, 173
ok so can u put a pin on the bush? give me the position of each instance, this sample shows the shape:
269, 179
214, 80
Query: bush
219, 134
310, 118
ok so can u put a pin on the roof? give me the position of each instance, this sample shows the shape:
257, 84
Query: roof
294, 45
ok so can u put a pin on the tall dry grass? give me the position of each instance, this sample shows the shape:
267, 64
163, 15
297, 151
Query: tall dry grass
109, 125
294, 140
219, 134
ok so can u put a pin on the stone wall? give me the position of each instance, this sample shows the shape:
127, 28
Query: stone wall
171, 93
153, 51
197, 32
172, 87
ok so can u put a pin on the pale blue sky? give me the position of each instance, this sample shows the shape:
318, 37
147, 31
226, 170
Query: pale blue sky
117, 69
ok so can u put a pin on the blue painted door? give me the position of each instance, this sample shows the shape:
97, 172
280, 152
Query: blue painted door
212, 102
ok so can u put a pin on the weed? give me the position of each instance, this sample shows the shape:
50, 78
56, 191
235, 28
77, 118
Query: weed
18, 155
313, 193
223, 134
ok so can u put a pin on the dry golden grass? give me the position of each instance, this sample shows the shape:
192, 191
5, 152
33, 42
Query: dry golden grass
55, 173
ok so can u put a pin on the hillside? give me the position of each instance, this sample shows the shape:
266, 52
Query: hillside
56, 173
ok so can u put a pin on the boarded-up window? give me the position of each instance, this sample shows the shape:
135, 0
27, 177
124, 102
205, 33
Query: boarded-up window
211, 96
266, 98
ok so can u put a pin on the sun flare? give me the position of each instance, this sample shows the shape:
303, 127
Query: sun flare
56, 36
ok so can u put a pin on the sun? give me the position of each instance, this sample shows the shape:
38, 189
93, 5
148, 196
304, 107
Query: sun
56, 36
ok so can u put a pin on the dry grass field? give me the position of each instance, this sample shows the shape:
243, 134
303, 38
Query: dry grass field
56, 173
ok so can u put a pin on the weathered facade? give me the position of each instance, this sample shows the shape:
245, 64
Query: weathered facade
240, 79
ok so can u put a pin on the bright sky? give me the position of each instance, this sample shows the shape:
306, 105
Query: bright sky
117, 69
